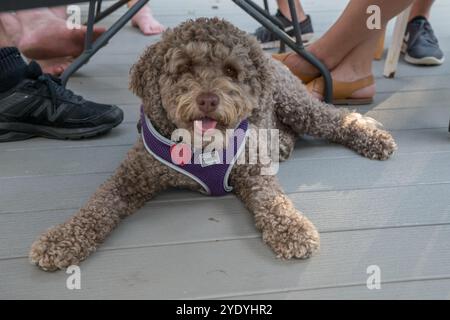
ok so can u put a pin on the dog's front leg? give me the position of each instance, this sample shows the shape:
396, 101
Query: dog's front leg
307, 115
136, 180
288, 232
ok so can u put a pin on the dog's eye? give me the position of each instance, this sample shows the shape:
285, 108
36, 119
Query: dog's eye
189, 66
230, 71
185, 67
184, 89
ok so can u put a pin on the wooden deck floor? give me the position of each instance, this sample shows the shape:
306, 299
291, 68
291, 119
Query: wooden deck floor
393, 214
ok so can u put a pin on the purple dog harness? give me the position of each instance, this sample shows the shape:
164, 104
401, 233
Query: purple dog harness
211, 170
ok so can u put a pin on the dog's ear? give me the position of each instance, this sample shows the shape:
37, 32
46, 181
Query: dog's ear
144, 74
263, 84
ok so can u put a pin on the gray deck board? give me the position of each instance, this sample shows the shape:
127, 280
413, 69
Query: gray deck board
394, 214
417, 140
199, 221
401, 83
49, 192
206, 270
388, 109
82, 159
430, 289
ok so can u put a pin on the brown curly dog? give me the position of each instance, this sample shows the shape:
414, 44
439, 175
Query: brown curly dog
212, 57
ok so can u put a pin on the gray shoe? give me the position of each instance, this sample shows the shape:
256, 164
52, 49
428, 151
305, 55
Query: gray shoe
420, 45
269, 40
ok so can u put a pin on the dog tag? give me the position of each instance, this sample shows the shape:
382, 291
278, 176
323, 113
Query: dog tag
209, 158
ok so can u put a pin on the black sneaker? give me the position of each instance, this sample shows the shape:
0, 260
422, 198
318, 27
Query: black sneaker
9, 136
40, 106
269, 40
420, 45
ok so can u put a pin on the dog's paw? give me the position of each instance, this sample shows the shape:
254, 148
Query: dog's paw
287, 144
378, 145
57, 248
291, 236
367, 138
285, 152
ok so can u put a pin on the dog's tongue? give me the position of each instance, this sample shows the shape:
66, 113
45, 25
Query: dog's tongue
205, 124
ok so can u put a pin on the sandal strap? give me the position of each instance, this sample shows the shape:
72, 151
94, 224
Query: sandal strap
282, 57
341, 90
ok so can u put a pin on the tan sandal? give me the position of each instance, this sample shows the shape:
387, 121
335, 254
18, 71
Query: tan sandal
342, 91
282, 57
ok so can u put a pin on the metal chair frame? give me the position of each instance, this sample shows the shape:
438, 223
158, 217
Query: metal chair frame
262, 15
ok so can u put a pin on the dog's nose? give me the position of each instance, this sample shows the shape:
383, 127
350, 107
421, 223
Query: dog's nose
208, 102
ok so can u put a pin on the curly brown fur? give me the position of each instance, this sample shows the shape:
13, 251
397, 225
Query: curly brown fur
211, 55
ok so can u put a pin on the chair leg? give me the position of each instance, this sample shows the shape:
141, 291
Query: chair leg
92, 47
260, 15
380, 47
401, 23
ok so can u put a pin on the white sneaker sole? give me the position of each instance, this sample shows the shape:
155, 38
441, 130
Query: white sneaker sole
425, 61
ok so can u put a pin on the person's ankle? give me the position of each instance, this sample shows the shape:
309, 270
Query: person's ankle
287, 14
351, 72
318, 53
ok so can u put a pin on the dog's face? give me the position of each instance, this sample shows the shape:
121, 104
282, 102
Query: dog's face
208, 75
204, 85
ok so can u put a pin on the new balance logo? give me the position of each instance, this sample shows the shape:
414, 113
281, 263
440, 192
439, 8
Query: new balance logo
47, 107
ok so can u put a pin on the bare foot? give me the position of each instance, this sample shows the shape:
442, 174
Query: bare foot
145, 21
61, 42
59, 12
10, 29
5, 40
55, 66
294, 62
39, 34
